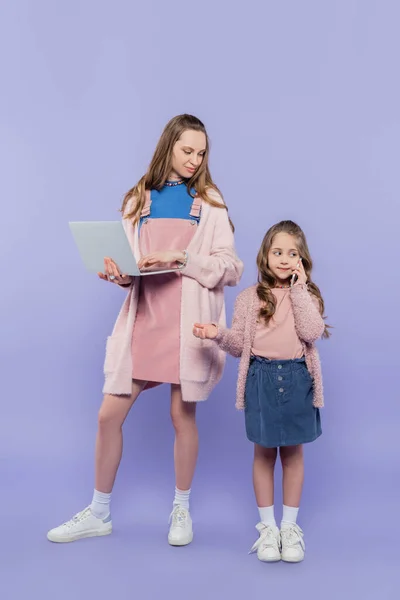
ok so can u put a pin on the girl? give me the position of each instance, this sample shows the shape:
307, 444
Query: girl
173, 217
275, 325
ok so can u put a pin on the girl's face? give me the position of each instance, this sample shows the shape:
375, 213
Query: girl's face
283, 256
188, 154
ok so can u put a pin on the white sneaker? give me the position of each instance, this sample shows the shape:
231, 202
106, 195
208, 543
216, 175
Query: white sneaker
268, 544
181, 531
293, 546
84, 524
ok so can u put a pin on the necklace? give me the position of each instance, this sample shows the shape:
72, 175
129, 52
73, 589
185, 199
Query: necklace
174, 183
283, 287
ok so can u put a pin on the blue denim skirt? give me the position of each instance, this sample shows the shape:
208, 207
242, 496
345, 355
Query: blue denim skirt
279, 407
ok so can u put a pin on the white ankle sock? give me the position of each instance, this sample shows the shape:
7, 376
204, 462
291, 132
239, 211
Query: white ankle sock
289, 516
182, 498
100, 506
267, 515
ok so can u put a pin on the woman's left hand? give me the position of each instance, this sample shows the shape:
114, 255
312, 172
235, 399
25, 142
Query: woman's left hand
300, 272
161, 258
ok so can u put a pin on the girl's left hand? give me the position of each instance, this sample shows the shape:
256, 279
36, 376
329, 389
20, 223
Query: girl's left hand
161, 258
300, 272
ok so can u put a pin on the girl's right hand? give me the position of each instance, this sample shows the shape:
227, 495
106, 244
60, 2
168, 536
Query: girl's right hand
112, 273
208, 331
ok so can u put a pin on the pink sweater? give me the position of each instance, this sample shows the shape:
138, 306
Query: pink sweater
238, 340
212, 265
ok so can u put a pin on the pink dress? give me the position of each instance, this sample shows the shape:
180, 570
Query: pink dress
156, 333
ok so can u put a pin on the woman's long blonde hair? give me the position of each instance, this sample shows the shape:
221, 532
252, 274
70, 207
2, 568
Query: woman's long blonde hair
267, 280
160, 168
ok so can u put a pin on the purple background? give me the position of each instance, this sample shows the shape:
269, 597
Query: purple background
301, 100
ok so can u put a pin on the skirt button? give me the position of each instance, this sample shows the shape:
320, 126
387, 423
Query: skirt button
281, 390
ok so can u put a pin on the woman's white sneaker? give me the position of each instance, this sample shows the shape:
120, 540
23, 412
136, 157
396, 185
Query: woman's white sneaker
293, 546
181, 530
83, 525
268, 544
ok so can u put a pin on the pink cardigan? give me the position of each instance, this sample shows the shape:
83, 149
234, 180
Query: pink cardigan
238, 341
212, 264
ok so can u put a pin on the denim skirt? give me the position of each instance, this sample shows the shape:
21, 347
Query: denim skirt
279, 407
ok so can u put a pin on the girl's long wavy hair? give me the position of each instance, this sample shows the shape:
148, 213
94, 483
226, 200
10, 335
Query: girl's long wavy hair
266, 279
160, 168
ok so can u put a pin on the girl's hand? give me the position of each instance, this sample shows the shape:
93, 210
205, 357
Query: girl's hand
203, 332
112, 273
300, 272
161, 258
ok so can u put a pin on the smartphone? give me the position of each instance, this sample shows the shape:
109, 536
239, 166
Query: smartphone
294, 276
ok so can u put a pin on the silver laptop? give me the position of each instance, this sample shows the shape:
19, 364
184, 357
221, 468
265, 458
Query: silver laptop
97, 239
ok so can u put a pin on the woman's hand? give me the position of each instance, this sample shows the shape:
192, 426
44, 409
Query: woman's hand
161, 259
112, 273
208, 331
300, 272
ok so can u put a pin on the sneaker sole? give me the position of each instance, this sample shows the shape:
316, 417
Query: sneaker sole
183, 542
292, 560
277, 559
79, 536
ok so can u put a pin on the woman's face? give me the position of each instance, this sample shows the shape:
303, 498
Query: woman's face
188, 154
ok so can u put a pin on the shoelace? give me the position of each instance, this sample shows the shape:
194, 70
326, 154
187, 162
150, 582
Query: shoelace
80, 516
178, 516
267, 538
292, 536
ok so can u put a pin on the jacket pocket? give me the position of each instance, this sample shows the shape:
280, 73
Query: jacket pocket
197, 363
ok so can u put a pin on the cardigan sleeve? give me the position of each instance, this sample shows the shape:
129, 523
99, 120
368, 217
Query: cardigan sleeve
127, 224
307, 318
232, 340
221, 267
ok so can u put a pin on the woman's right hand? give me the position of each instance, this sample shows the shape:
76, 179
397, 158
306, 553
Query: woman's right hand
205, 331
112, 273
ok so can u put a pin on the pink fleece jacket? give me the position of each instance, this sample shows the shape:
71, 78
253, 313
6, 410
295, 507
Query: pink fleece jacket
212, 264
238, 340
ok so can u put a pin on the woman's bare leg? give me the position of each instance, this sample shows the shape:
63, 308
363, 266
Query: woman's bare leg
112, 415
183, 415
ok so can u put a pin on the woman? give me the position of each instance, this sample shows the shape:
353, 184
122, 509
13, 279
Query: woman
174, 218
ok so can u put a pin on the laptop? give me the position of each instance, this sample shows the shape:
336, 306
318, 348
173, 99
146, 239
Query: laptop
97, 239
